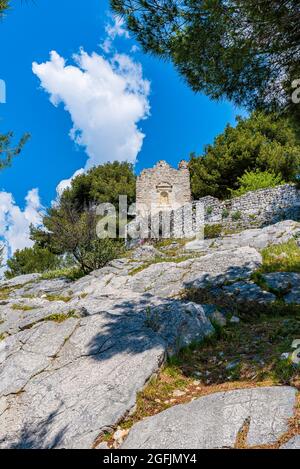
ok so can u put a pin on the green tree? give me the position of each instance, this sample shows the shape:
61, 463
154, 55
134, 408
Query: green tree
68, 230
7, 150
102, 184
263, 142
4, 4
70, 226
32, 260
245, 50
255, 180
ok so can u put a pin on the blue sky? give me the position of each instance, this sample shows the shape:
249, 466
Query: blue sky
173, 120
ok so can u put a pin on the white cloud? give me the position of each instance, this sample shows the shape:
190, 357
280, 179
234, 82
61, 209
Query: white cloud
106, 45
117, 28
134, 49
64, 184
15, 223
106, 98
114, 29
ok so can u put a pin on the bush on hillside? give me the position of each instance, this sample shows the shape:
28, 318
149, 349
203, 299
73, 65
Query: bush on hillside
255, 180
68, 230
32, 260
212, 231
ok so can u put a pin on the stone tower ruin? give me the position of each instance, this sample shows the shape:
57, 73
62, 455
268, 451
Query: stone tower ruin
163, 188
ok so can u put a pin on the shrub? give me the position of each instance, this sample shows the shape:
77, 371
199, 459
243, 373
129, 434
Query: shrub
236, 216
70, 273
99, 252
32, 260
212, 231
255, 180
225, 213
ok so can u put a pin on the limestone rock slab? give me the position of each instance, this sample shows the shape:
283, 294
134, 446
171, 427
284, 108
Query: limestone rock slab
214, 421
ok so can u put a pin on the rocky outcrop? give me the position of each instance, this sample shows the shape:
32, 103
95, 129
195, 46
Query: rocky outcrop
287, 284
256, 238
73, 355
63, 383
71, 367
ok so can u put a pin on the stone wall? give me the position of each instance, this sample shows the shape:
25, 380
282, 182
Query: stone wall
254, 209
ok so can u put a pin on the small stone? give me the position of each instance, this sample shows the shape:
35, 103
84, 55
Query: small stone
296, 343
232, 365
120, 435
117, 435
219, 319
284, 356
179, 393
146, 252
197, 374
158, 401
196, 383
235, 320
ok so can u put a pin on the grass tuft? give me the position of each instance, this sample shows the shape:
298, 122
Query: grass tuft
19, 307
71, 273
65, 299
5, 292
59, 318
281, 258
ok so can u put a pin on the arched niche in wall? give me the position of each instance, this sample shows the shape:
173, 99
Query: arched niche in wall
164, 189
